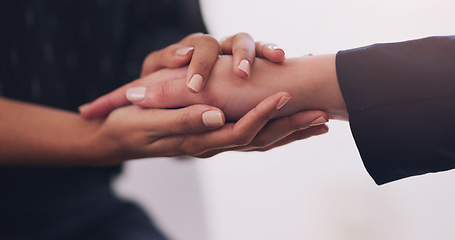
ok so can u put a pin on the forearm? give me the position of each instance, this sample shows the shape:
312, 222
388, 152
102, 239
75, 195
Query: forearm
313, 84
311, 81
37, 135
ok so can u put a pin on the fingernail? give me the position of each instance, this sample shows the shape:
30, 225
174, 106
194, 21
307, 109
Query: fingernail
136, 94
318, 121
195, 82
274, 47
244, 65
184, 51
282, 102
213, 118
83, 107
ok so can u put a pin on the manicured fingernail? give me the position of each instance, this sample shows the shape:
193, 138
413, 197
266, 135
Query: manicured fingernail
136, 94
213, 118
83, 107
318, 121
274, 47
184, 51
195, 82
244, 65
282, 102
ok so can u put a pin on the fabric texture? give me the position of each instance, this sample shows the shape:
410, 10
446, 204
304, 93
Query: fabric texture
64, 54
401, 103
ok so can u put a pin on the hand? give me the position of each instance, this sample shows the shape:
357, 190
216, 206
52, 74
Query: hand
201, 52
311, 81
53, 137
132, 132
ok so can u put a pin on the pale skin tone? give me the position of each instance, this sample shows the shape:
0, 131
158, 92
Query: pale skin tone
201, 51
310, 80
56, 137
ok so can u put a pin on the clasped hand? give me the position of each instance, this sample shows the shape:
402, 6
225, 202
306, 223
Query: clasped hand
171, 119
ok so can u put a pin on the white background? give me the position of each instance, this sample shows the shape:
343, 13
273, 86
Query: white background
314, 189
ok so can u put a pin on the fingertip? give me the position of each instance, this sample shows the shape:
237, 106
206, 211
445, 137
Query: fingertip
136, 94
83, 109
195, 84
184, 51
318, 121
275, 54
276, 102
213, 118
243, 69
95, 109
282, 102
181, 57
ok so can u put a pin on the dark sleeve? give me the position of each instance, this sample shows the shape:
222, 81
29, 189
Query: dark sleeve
401, 103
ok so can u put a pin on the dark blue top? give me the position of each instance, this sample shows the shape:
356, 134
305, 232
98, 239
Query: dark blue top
401, 103
63, 54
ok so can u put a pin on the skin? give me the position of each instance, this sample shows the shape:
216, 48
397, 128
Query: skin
53, 137
311, 81
199, 52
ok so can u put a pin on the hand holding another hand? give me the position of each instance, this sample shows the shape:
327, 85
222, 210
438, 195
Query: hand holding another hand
241, 99
132, 132
311, 81
200, 52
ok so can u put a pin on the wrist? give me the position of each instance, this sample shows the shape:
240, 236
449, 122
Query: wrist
314, 85
102, 149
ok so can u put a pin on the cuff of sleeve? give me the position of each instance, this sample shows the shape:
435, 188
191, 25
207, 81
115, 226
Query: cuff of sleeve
399, 133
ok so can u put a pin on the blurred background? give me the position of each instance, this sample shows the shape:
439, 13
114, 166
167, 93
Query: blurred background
314, 189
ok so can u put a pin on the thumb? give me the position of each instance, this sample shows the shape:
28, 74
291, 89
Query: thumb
162, 94
105, 104
188, 120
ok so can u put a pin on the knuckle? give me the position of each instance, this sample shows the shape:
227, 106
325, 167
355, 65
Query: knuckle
164, 91
202, 63
243, 35
211, 41
186, 122
245, 50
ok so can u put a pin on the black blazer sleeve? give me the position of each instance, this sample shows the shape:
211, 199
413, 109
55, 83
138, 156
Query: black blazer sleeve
401, 103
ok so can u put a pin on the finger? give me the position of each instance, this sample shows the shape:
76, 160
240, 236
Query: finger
242, 48
163, 94
277, 130
270, 51
131, 92
299, 135
240, 133
282, 127
295, 136
189, 120
173, 56
105, 104
206, 49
